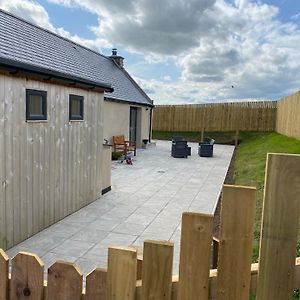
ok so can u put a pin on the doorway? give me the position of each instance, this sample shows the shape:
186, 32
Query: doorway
133, 124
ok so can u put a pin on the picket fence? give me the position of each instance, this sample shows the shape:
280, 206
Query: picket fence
129, 277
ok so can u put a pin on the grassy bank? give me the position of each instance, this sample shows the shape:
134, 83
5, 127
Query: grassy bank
249, 166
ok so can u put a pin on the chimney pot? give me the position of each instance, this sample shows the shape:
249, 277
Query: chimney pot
114, 51
119, 60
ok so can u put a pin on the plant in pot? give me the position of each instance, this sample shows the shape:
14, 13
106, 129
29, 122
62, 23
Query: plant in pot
116, 155
145, 142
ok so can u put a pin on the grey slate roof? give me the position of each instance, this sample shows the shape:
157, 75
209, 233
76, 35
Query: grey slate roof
27, 45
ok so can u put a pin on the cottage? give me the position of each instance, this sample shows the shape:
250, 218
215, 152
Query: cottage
52, 125
128, 109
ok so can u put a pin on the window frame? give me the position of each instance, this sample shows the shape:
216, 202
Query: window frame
76, 117
34, 117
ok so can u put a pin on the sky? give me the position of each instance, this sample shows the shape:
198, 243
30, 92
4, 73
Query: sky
186, 51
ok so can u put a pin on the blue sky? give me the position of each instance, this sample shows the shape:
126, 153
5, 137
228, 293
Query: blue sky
186, 52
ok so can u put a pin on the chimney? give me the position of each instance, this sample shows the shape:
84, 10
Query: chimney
119, 60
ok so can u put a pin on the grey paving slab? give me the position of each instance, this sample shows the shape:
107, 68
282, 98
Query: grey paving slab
146, 202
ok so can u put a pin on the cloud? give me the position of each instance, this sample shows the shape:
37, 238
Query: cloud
36, 14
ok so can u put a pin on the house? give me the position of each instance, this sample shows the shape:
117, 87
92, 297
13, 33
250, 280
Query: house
128, 109
52, 125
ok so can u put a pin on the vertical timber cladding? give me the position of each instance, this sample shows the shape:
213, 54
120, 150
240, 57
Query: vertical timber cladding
48, 169
288, 121
248, 116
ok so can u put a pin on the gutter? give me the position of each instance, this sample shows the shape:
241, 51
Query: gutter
127, 102
15, 67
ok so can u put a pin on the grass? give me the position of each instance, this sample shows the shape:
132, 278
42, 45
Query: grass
250, 166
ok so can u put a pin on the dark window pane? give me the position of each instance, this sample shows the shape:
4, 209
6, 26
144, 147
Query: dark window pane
76, 107
36, 105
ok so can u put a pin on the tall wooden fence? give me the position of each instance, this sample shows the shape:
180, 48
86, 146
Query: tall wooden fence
250, 116
288, 116
128, 278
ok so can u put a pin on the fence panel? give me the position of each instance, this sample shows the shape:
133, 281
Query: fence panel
288, 120
3, 275
234, 264
279, 227
96, 285
157, 270
195, 252
64, 282
121, 273
27, 277
249, 116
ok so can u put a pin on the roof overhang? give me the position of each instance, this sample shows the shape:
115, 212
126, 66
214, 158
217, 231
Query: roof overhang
15, 67
128, 102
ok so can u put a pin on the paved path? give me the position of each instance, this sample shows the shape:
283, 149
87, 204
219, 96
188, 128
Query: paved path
146, 202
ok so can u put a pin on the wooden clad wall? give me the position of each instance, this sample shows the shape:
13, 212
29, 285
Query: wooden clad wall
48, 169
256, 116
288, 116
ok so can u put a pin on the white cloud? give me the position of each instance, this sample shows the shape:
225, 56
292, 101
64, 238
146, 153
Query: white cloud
214, 43
36, 13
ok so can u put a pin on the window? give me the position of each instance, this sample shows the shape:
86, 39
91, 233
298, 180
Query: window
76, 107
36, 105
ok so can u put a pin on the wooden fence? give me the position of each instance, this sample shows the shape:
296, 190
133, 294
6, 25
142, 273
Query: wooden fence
288, 116
128, 278
250, 116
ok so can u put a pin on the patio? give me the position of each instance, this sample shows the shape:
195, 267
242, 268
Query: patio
146, 202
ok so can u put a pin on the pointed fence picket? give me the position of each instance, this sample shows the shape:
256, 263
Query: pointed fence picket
129, 277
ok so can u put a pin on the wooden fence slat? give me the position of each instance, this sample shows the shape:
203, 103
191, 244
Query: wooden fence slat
3, 275
27, 277
195, 251
157, 270
121, 273
96, 285
279, 227
64, 282
236, 236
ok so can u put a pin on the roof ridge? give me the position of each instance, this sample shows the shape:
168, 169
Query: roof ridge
51, 32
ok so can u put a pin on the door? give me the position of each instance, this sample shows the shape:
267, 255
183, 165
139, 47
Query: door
133, 123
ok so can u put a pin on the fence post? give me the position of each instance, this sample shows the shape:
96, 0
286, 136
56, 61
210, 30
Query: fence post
157, 270
236, 137
64, 282
96, 285
202, 135
236, 236
27, 277
3, 275
279, 227
195, 252
121, 273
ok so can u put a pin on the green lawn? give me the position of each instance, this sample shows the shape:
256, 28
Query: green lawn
251, 162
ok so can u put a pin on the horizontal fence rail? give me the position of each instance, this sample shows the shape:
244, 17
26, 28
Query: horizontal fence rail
128, 277
248, 116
